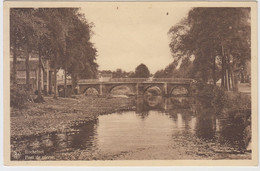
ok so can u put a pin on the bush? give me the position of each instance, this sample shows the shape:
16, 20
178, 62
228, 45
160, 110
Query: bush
238, 101
18, 97
212, 96
215, 97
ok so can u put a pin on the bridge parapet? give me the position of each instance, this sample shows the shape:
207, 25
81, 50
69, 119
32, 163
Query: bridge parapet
138, 80
82, 81
178, 80
130, 80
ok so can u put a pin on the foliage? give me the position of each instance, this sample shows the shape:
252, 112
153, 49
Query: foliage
18, 97
215, 97
220, 48
141, 71
211, 96
238, 101
167, 72
174, 70
61, 35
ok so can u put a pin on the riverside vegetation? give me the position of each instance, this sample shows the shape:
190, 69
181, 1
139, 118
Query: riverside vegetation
28, 118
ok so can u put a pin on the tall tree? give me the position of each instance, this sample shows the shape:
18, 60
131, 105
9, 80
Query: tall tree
81, 52
142, 71
26, 28
226, 39
58, 29
60, 34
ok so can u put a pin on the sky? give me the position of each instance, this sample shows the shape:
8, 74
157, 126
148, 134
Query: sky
126, 35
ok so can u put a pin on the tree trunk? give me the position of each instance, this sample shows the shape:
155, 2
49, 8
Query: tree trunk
235, 88
229, 74
223, 67
235, 80
73, 82
226, 79
214, 70
223, 73
232, 78
14, 64
66, 63
55, 76
65, 79
39, 96
27, 66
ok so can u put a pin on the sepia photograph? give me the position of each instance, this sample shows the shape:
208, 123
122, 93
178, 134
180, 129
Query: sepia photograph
130, 81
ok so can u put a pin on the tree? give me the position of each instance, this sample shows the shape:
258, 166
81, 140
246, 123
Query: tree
81, 52
25, 27
69, 46
141, 71
15, 38
226, 40
60, 34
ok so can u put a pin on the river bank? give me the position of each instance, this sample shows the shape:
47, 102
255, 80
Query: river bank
59, 115
79, 129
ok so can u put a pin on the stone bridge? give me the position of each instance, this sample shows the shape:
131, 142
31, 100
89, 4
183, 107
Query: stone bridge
139, 86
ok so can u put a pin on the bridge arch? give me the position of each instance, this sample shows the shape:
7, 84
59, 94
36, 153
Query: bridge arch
129, 89
154, 89
180, 90
91, 90
121, 89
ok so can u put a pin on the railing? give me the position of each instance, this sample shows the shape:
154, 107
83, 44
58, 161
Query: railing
129, 80
134, 80
173, 80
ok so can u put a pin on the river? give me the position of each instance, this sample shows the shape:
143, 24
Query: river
159, 128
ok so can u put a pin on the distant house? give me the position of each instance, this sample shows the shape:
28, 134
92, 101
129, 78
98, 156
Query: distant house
247, 72
61, 76
46, 74
210, 81
104, 77
218, 83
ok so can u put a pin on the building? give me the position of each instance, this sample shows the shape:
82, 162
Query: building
47, 75
104, 77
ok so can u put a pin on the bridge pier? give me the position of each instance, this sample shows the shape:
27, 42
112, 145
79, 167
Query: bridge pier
137, 89
165, 89
101, 89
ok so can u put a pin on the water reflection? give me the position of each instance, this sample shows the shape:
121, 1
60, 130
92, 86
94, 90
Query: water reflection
237, 126
80, 137
156, 122
192, 116
206, 124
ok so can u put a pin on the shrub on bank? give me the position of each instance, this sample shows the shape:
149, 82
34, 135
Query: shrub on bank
238, 101
18, 97
212, 96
